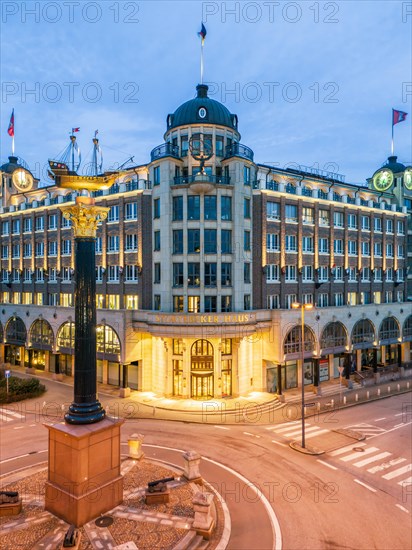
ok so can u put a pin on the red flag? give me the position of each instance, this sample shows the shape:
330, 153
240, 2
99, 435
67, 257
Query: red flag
10, 129
398, 116
75, 130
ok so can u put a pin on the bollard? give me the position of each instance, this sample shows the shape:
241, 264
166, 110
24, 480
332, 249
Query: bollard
135, 442
289, 413
379, 392
318, 405
192, 466
399, 387
356, 397
344, 399
367, 394
389, 389
332, 402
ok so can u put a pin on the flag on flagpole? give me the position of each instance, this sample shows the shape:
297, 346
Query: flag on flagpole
398, 116
202, 33
75, 130
10, 129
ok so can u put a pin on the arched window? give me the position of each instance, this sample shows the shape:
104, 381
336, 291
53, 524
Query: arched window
16, 332
389, 329
41, 335
202, 348
107, 341
407, 328
363, 332
293, 340
65, 336
333, 335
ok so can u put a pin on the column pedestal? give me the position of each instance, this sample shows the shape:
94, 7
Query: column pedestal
84, 478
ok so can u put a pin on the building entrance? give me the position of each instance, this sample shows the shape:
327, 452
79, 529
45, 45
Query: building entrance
202, 386
202, 370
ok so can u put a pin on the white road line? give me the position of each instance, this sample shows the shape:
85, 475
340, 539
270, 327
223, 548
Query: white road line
326, 464
386, 465
251, 435
364, 485
221, 427
297, 432
288, 428
18, 427
398, 425
346, 449
406, 481
379, 419
399, 414
4, 418
13, 414
371, 459
279, 443
402, 508
398, 472
356, 455
391, 430
320, 432
283, 424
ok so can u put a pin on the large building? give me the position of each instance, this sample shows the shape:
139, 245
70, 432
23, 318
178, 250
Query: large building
199, 262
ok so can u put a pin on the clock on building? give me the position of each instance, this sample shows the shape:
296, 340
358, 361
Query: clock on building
22, 179
407, 178
383, 179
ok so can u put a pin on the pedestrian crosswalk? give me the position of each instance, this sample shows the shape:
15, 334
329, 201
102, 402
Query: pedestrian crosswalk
294, 429
366, 429
7, 415
376, 462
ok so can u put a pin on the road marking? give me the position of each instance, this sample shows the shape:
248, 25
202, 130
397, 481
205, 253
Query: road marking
371, 459
407, 481
379, 419
402, 508
398, 472
399, 414
391, 430
320, 432
364, 485
279, 443
283, 424
251, 435
221, 427
398, 425
386, 465
347, 448
326, 464
297, 432
286, 429
355, 455
18, 427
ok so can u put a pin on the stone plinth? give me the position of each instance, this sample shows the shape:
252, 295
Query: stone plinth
10, 508
157, 498
204, 522
135, 443
192, 466
84, 478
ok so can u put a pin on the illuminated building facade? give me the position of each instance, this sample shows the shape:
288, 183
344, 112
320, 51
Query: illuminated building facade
201, 257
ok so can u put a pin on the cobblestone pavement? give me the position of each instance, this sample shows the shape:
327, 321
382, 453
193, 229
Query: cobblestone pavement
155, 527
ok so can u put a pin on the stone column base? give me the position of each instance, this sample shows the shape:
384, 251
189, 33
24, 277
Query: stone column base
84, 478
124, 392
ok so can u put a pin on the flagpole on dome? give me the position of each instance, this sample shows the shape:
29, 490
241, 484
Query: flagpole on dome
202, 35
10, 131
397, 116
393, 112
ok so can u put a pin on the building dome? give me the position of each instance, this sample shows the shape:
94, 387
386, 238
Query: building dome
10, 167
395, 166
202, 109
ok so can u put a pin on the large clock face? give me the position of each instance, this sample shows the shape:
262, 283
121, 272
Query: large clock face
407, 178
22, 180
383, 179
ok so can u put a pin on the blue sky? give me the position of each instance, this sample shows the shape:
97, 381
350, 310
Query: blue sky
312, 82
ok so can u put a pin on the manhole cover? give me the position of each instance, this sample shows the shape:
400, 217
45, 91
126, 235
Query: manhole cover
104, 521
358, 449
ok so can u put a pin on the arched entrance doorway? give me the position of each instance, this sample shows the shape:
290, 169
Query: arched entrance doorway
202, 370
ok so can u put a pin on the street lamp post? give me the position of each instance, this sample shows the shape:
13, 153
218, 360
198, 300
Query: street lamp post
297, 305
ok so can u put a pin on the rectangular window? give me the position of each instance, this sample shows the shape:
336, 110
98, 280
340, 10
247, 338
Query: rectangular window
184, 145
365, 297
389, 250
131, 274
210, 304
15, 227
40, 250
399, 276
307, 298
377, 225
226, 272
246, 209
246, 175
66, 274
377, 249
323, 246
178, 208
291, 273
323, 300
210, 241
291, 213
366, 223
52, 248
291, 243
226, 241
401, 228
193, 304
210, 207
39, 223
226, 208
246, 241
156, 241
389, 274
366, 248
219, 146
27, 225
98, 245
323, 274
156, 208
27, 250
131, 211
365, 274
338, 219
307, 273
156, 175
113, 243
226, 304
193, 207
157, 273
389, 226
157, 302
113, 276
15, 251
307, 244
308, 215
352, 275
338, 273
52, 221
338, 246
352, 299
5, 228
272, 242
272, 211
401, 251
113, 215
246, 273
193, 274
193, 241
353, 248
272, 273
131, 301
324, 217
273, 301
66, 247
65, 223
388, 296
4, 252
130, 244
377, 275
246, 302
177, 241
377, 297
352, 221
210, 274
289, 300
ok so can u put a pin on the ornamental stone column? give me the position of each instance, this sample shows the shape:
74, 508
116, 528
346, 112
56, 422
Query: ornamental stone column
85, 217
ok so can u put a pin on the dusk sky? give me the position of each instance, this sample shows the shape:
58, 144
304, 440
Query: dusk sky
312, 83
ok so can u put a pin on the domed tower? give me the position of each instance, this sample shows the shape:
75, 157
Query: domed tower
202, 183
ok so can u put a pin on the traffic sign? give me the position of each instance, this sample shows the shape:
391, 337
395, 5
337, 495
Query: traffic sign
7, 374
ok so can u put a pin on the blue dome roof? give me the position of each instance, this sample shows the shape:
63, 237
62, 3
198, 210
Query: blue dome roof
395, 166
191, 112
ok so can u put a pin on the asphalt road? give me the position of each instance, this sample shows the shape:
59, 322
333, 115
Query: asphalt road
355, 497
